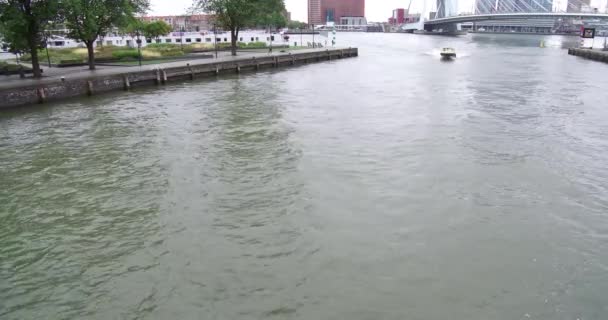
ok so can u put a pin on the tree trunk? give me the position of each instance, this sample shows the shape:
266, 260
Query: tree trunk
234, 33
35, 63
91, 51
32, 39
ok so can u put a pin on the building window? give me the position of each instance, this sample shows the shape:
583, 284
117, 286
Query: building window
100, 43
168, 40
241, 39
188, 40
109, 42
252, 39
178, 40
257, 39
218, 39
225, 39
330, 15
158, 41
207, 39
199, 40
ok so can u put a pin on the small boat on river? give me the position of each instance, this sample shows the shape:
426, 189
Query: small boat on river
448, 53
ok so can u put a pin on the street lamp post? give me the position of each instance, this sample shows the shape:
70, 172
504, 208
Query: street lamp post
46, 46
138, 47
215, 38
271, 36
314, 45
301, 38
181, 38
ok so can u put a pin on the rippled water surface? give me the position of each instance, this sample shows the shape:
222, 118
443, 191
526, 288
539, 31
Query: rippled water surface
389, 186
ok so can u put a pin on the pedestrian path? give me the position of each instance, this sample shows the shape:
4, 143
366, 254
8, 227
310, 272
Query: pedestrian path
82, 72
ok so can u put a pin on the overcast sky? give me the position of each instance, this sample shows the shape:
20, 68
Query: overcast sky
376, 10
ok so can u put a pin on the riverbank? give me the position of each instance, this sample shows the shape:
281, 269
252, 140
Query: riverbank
590, 54
64, 86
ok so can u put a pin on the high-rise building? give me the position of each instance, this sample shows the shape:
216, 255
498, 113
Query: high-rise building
447, 8
507, 6
578, 5
398, 16
324, 11
314, 12
485, 6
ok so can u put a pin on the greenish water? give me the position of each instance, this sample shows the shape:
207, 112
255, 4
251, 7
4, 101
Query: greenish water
389, 186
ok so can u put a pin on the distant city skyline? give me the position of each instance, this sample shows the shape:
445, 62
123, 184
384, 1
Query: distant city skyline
377, 11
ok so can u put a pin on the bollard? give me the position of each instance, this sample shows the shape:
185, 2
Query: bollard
157, 80
89, 88
127, 82
217, 70
238, 68
41, 95
164, 76
191, 72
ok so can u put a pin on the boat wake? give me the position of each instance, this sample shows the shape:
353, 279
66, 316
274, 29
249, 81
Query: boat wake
437, 53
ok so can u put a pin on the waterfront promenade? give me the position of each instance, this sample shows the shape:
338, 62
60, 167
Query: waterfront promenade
61, 83
590, 54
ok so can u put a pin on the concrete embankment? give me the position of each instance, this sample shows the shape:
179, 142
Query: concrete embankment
124, 78
589, 54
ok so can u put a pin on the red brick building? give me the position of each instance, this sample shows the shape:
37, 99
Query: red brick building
190, 23
398, 16
323, 11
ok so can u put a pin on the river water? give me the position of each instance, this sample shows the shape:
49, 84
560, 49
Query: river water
388, 186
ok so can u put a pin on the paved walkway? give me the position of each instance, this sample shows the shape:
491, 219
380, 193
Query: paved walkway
54, 74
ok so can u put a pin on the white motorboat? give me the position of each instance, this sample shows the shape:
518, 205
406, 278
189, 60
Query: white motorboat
448, 53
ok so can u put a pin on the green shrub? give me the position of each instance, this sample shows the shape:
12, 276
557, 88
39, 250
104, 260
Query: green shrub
10, 67
257, 45
125, 54
162, 46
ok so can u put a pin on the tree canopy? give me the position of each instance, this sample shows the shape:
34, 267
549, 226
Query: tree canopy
297, 25
155, 29
89, 19
235, 15
23, 24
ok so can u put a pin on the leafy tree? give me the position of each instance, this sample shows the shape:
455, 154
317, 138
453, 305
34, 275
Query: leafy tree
87, 20
156, 29
134, 27
270, 13
22, 26
297, 25
234, 15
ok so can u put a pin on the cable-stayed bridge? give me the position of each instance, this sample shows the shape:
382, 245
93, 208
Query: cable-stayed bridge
446, 17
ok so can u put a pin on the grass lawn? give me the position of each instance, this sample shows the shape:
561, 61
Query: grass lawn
143, 62
111, 53
10, 66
